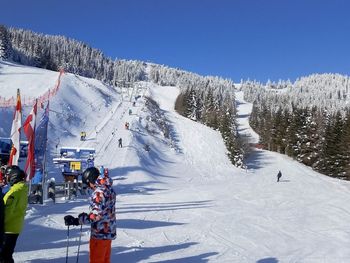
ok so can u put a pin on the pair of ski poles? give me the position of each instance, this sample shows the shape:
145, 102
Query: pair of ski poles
81, 228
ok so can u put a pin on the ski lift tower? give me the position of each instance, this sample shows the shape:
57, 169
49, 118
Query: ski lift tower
136, 90
125, 87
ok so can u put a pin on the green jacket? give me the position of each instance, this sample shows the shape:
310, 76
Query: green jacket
16, 200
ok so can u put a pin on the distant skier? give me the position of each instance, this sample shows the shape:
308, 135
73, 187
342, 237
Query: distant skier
83, 136
120, 145
147, 147
279, 175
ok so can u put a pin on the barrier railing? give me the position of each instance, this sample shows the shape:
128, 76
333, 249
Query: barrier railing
29, 101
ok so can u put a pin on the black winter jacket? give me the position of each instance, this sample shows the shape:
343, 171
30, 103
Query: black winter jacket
2, 212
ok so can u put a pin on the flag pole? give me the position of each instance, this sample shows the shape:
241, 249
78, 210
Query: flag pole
44, 175
16, 132
30, 163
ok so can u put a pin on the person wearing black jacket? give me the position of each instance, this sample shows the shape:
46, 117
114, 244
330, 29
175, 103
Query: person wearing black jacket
2, 212
279, 175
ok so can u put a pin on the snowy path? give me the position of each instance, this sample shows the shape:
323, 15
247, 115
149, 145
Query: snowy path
243, 217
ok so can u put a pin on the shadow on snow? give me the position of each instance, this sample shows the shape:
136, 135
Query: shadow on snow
267, 260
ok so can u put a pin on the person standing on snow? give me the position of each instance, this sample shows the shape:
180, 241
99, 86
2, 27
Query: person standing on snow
3, 183
120, 143
15, 201
2, 211
106, 173
279, 175
102, 169
2, 175
36, 195
101, 217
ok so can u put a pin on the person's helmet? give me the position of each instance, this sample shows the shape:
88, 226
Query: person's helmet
14, 174
90, 175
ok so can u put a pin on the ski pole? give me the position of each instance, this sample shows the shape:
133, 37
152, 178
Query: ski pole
67, 244
81, 229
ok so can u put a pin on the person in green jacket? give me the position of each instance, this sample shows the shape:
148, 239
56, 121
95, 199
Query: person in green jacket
15, 200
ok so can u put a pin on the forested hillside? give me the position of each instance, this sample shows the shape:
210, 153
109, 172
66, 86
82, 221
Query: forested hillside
209, 100
308, 120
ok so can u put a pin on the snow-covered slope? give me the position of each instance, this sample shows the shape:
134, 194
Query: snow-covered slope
183, 201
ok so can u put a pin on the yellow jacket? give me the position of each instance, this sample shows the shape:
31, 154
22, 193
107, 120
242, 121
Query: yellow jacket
15, 200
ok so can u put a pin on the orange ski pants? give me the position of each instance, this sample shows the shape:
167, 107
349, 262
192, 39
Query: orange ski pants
100, 250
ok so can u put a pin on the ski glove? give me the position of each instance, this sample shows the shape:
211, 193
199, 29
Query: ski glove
83, 218
71, 221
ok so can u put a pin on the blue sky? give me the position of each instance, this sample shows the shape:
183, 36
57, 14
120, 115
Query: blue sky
237, 39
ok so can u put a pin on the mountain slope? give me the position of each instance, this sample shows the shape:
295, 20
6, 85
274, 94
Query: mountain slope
183, 201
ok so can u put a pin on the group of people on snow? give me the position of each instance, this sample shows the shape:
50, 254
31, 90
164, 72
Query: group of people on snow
101, 216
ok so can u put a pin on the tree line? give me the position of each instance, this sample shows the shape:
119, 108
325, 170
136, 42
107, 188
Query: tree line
308, 120
218, 111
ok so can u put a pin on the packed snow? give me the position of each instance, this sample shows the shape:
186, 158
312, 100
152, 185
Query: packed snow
182, 201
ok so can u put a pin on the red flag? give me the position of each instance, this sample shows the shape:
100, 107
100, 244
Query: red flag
29, 130
16, 132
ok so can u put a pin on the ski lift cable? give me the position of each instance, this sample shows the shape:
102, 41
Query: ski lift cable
110, 137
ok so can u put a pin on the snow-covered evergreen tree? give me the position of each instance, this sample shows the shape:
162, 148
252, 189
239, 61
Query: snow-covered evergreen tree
313, 122
5, 45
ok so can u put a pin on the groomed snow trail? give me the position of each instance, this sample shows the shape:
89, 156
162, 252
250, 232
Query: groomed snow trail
222, 214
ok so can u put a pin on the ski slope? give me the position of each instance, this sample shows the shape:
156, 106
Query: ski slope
183, 201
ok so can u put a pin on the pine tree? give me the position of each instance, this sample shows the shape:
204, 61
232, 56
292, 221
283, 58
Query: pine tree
328, 163
277, 131
5, 44
191, 105
265, 125
311, 143
293, 140
336, 159
344, 146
